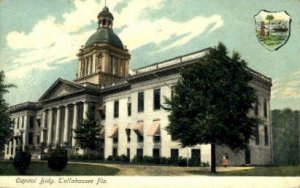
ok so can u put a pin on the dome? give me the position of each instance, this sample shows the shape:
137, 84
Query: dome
104, 35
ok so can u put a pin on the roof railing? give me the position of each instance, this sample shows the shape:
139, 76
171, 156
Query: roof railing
173, 61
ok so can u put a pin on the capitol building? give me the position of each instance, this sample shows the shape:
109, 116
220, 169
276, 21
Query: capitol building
127, 106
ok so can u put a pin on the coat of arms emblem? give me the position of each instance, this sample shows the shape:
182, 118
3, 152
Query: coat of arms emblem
272, 28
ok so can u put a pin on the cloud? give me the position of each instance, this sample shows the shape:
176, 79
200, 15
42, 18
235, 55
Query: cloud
51, 42
289, 89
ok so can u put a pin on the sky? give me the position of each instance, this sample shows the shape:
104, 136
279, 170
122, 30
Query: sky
39, 39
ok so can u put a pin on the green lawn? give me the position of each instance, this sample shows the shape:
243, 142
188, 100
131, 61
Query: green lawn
41, 168
257, 171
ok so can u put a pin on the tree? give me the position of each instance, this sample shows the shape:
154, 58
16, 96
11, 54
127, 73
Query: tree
211, 102
5, 122
269, 17
286, 132
88, 133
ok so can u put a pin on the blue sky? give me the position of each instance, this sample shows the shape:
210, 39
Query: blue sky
39, 39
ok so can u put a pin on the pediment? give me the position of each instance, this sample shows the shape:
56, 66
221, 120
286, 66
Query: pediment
60, 88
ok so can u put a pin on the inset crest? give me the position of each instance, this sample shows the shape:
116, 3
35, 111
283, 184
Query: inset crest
272, 28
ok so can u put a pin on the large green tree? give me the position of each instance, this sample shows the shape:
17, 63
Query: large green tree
5, 122
88, 133
286, 136
211, 103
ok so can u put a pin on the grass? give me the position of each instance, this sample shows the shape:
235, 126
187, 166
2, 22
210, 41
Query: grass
272, 40
41, 169
256, 171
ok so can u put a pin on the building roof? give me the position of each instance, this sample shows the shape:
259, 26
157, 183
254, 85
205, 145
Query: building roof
104, 35
24, 106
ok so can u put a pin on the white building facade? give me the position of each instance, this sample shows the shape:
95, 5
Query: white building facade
127, 107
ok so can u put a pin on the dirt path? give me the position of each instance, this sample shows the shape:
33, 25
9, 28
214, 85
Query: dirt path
144, 170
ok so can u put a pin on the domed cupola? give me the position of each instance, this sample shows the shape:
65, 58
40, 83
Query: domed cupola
103, 58
104, 33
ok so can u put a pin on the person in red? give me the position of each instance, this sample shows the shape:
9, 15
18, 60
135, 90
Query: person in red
225, 160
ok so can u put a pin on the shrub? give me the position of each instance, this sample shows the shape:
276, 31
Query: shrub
117, 159
164, 160
124, 159
147, 160
205, 164
181, 162
194, 162
58, 159
172, 160
91, 156
134, 159
22, 161
109, 158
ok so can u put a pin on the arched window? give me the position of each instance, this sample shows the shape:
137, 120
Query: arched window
104, 22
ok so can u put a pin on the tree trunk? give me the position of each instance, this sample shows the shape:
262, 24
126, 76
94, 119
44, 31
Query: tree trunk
213, 158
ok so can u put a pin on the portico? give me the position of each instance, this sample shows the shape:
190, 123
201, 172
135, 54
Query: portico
65, 105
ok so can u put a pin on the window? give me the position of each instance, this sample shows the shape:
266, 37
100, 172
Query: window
7, 150
115, 140
30, 138
21, 139
38, 139
174, 153
129, 109
116, 109
128, 153
265, 108
128, 134
140, 138
141, 102
256, 107
115, 152
156, 139
39, 123
155, 153
156, 99
139, 153
31, 122
247, 156
196, 154
266, 136
102, 112
257, 135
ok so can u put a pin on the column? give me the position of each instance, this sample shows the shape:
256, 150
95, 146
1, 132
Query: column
5, 151
74, 126
85, 109
9, 148
87, 67
14, 146
66, 126
50, 117
79, 69
105, 62
94, 63
57, 126
23, 140
43, 126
